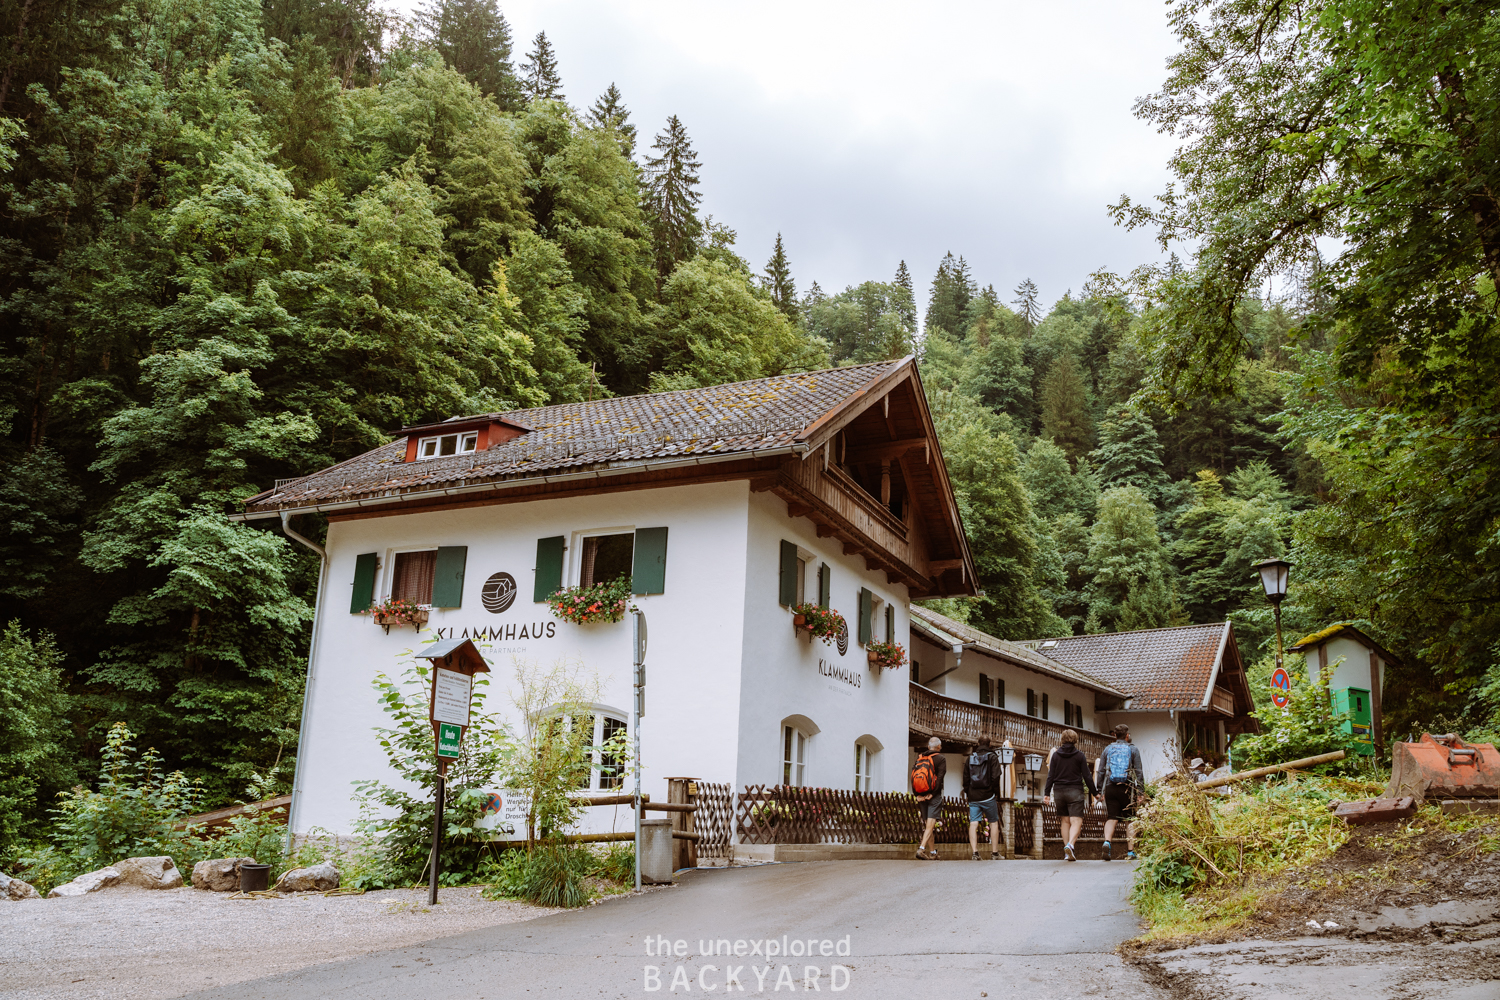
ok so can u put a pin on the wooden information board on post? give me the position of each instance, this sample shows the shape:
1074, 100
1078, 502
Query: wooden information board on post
454, 664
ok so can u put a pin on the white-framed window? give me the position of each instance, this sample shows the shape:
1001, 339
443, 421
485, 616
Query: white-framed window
864, 765
608, 770
604, 555
805, 565
411, 575
440, 445
793, 756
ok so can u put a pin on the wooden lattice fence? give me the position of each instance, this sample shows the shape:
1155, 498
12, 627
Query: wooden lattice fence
714, 820
781, 814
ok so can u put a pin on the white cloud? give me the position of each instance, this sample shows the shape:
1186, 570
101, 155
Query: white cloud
871, 132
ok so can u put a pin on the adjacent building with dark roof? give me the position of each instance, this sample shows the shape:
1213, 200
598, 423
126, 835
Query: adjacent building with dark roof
1185, 688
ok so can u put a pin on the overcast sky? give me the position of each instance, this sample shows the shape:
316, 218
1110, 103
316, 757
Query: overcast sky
870, 132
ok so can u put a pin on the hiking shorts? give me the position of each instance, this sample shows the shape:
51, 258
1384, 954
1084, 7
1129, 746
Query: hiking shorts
1069, 800
932, 808
1118, 800
988, 809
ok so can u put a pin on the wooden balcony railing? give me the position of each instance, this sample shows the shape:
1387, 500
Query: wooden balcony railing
957, 721
1223, 701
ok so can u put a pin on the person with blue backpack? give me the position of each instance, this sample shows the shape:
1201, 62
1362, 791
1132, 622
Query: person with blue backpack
1121, 779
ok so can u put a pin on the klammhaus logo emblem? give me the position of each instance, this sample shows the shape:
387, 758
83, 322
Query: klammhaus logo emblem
499, 593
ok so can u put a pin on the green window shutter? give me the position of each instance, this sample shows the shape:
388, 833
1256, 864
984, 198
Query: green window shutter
866, 612
1030, 702
790, 566
648, 574
825, 585
448, 576
549, 558
890, 623
984, 689
999, 692
364, 583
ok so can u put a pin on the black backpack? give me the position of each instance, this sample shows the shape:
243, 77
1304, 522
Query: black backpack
981, 769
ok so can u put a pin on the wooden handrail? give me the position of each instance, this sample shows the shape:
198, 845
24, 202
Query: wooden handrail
951, 719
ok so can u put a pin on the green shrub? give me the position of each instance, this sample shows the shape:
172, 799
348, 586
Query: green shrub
547, 875
135, 812
616, 863
400, 834
36, 762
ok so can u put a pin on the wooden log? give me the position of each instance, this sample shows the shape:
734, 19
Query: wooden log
1259, 772
614, 800
668, 807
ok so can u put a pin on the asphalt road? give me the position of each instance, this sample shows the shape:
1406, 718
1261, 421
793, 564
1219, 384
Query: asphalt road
952, 929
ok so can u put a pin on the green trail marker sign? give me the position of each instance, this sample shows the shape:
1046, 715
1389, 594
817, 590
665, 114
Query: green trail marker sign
448, 739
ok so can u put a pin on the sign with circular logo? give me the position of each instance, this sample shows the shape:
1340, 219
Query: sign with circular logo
843, 637
499, 593
1281, 688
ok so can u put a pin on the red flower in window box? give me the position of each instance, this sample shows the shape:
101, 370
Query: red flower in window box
885, 655
824, 623
398, 612
603, 602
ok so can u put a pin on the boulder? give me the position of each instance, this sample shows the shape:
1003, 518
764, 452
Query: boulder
14, 888
219, 874
86, 883
318, 878
149, 873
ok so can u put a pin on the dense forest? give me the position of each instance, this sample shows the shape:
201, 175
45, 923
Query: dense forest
244, 240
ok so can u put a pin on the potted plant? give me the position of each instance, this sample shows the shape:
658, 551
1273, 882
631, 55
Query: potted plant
603, 602
885, 655
816, 620
396, 611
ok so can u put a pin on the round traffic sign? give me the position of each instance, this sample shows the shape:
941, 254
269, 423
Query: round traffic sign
1281, 688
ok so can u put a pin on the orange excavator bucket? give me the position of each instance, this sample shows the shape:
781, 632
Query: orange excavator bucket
1444, 767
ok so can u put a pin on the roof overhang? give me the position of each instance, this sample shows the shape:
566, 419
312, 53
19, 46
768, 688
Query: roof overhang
493, 486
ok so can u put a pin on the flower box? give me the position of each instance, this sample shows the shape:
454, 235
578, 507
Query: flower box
816, 620
398, 612
601, 603
885, 655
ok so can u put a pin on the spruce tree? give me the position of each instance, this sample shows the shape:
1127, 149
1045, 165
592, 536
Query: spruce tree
1129, 454
778, 281
1026, 304
1065, 408
539, 77
609, 112
672, 196
907, 308
473, 37
943, 309
1131, 584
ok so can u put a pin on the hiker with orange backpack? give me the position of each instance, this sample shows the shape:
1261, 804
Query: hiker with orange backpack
927, 785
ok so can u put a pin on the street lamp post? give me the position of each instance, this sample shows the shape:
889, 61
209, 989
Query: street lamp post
1273, 575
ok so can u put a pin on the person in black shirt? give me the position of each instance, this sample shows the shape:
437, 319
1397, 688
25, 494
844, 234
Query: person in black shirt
982, 789
1067, 776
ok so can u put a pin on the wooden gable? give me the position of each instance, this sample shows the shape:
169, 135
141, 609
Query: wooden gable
873, 477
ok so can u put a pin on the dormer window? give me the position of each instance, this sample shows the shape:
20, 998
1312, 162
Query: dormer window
447, 444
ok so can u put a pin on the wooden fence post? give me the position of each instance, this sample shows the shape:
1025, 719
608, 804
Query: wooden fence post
1008, 828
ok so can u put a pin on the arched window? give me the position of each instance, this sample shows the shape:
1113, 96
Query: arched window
866, 763
797, 732
608, 762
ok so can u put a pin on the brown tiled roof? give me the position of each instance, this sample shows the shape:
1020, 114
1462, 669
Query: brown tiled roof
1160, 668
740, 418
1011, 651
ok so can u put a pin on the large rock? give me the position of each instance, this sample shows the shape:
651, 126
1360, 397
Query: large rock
149, 873
14, 888
219, 874
318, 878
87, 882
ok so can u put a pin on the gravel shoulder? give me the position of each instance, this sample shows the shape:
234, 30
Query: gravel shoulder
140, 943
